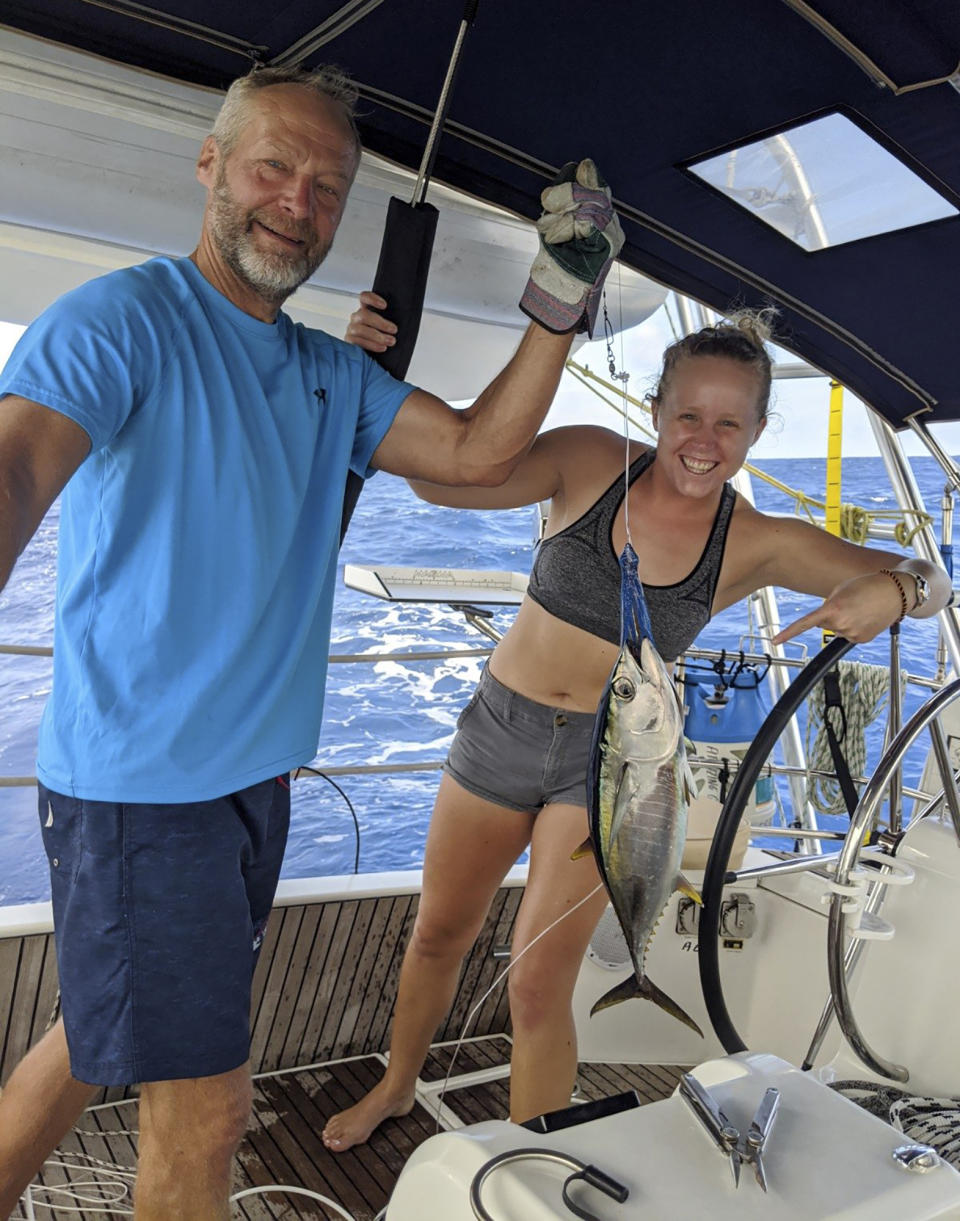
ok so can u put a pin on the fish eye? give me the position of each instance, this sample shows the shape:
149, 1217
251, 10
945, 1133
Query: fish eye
623, 688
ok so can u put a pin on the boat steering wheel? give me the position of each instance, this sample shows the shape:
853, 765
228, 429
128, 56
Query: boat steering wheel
716, 875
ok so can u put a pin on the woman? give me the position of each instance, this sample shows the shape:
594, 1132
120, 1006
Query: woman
516, 771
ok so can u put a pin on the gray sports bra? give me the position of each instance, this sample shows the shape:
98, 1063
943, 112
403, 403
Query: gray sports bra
576, 575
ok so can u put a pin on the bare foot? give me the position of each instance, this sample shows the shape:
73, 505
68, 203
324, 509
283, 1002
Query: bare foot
354, 1125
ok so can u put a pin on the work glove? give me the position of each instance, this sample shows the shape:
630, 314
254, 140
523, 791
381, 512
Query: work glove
580, 237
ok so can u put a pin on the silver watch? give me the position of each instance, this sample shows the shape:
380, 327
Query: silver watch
923, 590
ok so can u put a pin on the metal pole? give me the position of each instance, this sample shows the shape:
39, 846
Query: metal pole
894, 725
947, 775
947, 464
433, 139
908, 497
862, 818
778, 679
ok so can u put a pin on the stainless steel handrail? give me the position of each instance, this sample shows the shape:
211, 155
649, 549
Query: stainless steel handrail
863, 817
790, 864
731, 764
696, 653
30, 650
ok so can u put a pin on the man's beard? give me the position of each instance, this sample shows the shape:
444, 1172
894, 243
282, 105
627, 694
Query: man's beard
272, 274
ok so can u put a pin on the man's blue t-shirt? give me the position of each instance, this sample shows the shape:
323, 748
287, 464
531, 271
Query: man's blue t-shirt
198, 540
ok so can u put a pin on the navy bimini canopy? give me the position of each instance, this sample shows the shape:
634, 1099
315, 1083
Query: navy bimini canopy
647, 89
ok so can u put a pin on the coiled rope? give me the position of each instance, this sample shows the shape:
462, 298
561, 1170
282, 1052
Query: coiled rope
94, 1187
930, 1121
855, 522
864, 690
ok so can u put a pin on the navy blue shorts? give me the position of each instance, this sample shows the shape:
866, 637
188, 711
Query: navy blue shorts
159, 912
520, 754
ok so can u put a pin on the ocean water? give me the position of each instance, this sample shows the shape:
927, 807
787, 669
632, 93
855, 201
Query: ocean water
389, 712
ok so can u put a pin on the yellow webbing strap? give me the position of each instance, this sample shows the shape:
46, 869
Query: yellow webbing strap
834, 458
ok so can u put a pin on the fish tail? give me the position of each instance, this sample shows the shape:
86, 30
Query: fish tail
647, 990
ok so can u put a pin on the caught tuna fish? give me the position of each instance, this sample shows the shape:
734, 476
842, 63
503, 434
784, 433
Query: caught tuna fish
636, 791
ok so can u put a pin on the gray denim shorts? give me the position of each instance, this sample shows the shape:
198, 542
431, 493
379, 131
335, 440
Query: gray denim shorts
520, 754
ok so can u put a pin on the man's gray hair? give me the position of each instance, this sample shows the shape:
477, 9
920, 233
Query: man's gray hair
327, 80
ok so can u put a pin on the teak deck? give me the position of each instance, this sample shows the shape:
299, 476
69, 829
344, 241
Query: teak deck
323, 997
283, 1145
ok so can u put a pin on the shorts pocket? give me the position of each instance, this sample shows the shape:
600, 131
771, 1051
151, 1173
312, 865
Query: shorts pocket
468, 708
61, 825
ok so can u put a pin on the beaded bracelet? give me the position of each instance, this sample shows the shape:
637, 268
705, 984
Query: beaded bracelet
895, 578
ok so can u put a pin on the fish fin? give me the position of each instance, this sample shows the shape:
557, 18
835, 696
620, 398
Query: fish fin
619, 807
625, 991
651, 992
689, 782
688, 889
585, 849
645, 989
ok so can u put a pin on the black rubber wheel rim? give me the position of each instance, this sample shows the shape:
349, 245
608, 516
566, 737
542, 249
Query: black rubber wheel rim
715, 876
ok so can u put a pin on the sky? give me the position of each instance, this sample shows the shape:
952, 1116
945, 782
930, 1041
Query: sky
798, 413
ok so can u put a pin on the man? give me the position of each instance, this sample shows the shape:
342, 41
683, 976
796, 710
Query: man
206, 441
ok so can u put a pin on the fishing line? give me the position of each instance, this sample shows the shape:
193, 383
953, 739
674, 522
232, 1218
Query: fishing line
621, 376
496, 983
624, 405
